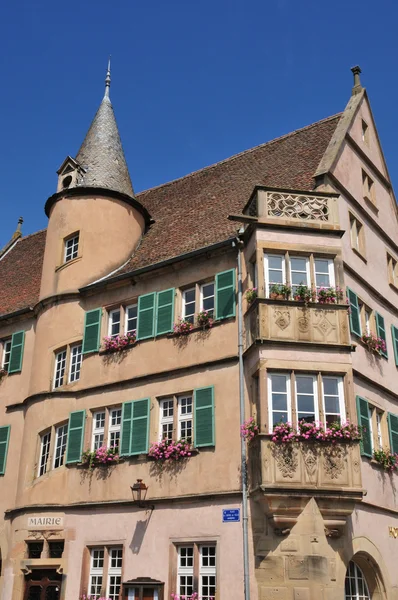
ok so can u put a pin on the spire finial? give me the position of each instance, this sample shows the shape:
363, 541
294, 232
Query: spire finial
357, 81
18, 231
108, 79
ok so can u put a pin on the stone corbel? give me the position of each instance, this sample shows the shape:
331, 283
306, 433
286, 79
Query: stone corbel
26, 570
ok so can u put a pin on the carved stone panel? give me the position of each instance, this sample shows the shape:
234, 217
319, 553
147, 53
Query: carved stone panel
282, 322
325, 326
335, 466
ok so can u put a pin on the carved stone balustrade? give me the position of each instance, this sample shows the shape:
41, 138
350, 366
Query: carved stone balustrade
291, 321
283, 477
294, 208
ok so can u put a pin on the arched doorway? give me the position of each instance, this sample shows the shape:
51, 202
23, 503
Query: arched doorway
43, 585
356, 587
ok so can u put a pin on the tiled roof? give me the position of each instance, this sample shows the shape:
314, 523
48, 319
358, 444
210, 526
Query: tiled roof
20, 273
189, 213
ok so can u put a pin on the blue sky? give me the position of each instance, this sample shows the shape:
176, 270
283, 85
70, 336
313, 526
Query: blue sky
192, 83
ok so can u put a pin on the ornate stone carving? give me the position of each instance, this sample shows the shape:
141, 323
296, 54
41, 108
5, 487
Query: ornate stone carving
334, 461
303, 324
310, 459
292, 206
282, 318
286, 458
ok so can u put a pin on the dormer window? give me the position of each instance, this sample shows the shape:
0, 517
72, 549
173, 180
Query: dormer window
365, 133
71, 248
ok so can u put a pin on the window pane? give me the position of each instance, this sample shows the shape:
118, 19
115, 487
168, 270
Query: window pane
321, 265
131, 314
279, 383
332, 405
322, 280
279, 401
189, 296
298, 264
278, 417
275, 262
305, 385
330, 386
75, 363
299, 278
61, 437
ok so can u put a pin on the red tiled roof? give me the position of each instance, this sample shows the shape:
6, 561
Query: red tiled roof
190, 213
20, 273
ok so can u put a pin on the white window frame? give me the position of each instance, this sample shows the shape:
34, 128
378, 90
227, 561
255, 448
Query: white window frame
75, 362
96, 571
368, 316
307, 271
111, 322
340, 389
98, 431
184, 571
45, 444
5, 359
202, 298
379, 416
266, 271
184, 304
73, 244
60, 368
126, 319
114, 428
114, 571
354, 578
315, 394
208, 571
183, 418
330, 272
166, 420
289, 398
61, 438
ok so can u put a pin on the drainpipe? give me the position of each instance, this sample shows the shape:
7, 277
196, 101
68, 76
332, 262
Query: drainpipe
245, 519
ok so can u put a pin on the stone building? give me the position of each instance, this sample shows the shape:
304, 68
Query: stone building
312, 211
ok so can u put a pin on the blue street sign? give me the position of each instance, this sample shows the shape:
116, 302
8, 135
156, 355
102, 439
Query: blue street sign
231, 515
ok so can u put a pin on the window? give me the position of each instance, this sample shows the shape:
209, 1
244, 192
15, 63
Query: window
72, 356
365, 132
299, 272
45, 441
114, 323
356, 587
357, 233
368, 188
392, 270
309, 270
56, 548
131, 318
379, 435
61, 437
71, 248
115, 423
6, 355
366, 318
207, 298
166, 419
75, 363
60, 364
188, 304
34, 549
204, 572
105, 560
317, 397
96, 572
98, 430
185, 417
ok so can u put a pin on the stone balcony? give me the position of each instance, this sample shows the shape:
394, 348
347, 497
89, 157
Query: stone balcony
294, 208
283, 478
291, 321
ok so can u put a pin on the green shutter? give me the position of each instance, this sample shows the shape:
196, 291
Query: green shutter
75, 436
355, 321
204, 416
125, 443
165, 311
225, 294
381, 331
146, 316
393, 429
92, 328
364, 423
140, 427
4, 439
17, 345
394, 333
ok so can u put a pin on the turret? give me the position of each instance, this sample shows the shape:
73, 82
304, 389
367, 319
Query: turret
95, 222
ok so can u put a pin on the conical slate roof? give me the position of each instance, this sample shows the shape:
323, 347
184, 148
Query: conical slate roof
101, 153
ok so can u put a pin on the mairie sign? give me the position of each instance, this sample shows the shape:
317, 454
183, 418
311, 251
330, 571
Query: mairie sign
45, 522
231, 515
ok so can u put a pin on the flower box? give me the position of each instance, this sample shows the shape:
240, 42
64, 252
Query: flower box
249, 429
374, 344
101, 457
387, 459
251, 295
204, 320
317, 432
182, 327
119, 343
170, 450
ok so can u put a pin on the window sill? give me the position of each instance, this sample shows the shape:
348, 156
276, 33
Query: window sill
359, 254
70, 262
371, 204
291, 302
393, 287
198, 328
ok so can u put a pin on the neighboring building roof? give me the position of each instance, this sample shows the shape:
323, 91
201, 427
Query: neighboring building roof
20, 273
189, 213
101, 154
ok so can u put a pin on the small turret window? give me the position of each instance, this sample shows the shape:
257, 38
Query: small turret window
71, 248
67, 181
